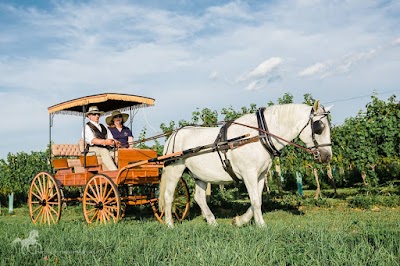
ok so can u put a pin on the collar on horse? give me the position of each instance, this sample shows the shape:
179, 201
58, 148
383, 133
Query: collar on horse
265, 139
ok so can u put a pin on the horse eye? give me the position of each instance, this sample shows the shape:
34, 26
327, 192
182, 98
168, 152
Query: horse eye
318, 127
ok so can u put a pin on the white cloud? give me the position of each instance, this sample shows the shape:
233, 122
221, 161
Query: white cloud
254, 85
214, 75
338, 66
263, 69
396, 41
234, 10
312, 70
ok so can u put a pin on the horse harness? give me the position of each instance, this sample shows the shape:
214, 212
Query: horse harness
222, 144
264, 138
317, 127
221, 138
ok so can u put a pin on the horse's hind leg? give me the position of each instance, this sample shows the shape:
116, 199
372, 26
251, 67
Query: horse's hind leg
255, 194
200, 198
171, 173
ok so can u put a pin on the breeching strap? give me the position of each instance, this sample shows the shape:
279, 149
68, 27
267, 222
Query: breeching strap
226, 163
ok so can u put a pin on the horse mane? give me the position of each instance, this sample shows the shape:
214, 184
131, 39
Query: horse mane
291, 113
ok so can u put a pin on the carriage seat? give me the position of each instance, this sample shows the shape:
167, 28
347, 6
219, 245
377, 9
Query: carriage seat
70, 156
66, 150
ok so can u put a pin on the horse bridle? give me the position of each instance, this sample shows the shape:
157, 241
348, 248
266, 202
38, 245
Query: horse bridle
317, 127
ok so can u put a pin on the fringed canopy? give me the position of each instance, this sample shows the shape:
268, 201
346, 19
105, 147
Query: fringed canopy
106, 102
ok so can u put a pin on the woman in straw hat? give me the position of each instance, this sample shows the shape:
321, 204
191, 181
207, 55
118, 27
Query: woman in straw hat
120, 132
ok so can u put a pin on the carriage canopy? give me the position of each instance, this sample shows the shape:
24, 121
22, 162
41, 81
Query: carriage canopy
106, 102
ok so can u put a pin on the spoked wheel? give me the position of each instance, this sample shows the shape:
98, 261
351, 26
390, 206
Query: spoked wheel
44, 199
180, 205
101, 201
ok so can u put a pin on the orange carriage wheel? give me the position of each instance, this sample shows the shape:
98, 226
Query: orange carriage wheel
180, 205
44, 199
101, 201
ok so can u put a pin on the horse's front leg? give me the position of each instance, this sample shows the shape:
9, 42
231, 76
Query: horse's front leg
255, 195
200, 198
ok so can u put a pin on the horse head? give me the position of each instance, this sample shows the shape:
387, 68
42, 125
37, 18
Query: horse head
316, 134
33, 234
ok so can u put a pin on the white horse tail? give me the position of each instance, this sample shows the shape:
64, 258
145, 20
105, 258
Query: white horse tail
161, 199
168, 148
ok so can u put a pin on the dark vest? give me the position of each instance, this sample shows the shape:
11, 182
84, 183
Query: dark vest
97, 133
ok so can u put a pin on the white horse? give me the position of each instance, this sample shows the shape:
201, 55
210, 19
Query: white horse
29, 242
250, 162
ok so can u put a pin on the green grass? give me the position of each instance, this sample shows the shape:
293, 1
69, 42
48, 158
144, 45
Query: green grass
311, 236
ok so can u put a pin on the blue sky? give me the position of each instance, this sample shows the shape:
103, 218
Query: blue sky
188, 55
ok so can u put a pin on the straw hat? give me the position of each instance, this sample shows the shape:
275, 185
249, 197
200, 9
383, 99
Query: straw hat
93, 110
109, 119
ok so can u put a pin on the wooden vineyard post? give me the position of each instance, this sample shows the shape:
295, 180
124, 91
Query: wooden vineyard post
279, 177
299, 181
330, 176
318, 191
269, 174
11, 203
364, 177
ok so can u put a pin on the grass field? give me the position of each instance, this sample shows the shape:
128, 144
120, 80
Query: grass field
311, 236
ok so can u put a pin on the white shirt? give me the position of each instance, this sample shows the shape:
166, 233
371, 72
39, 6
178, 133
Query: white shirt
89, 135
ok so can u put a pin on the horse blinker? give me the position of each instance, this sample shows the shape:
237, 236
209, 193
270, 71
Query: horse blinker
318, 127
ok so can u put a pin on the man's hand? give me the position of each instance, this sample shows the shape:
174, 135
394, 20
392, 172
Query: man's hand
118, 143
111, 142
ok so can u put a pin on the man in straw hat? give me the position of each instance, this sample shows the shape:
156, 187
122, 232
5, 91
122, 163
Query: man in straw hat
120, 132
98, 137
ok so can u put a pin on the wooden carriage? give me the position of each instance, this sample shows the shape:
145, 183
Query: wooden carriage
104, 194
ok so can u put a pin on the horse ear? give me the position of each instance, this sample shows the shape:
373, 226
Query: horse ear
327, 109
316, 105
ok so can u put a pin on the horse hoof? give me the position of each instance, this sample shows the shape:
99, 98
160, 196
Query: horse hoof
236, 222
214, 224
170, 225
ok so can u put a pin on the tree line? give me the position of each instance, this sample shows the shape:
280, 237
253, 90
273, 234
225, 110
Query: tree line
366, 149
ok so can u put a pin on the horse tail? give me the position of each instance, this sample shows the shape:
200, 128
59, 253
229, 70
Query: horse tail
169, 147
162, 186
161, 199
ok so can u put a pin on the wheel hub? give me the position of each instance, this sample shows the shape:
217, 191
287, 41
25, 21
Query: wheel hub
99, 205
43, 202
